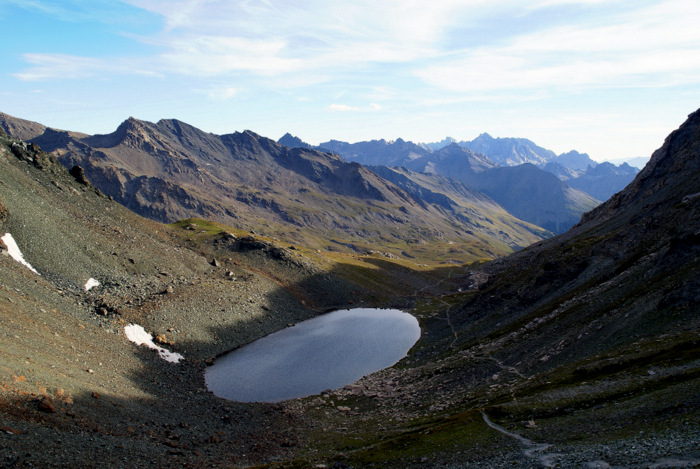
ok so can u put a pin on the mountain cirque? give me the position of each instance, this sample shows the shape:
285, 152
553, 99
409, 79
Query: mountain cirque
578, 351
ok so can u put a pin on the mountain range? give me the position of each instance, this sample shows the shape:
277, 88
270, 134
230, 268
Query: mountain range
576, 169
552, 195
502, 151
169, 171
579, 350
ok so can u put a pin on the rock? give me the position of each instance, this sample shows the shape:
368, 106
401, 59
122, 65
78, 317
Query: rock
9, 430
3, 214
79, 174
215, 263
162, 340
169, 290
46, 405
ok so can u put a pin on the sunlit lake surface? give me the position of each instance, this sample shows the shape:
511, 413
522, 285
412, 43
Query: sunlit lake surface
326, 352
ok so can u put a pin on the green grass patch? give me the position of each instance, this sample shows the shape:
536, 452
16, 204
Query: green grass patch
464, 436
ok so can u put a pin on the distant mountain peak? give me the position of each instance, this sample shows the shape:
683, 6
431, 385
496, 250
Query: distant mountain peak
509, 151
291, 141
435, 146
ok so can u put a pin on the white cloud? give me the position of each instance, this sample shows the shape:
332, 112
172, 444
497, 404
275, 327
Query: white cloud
218, 93
657, 46
313, 41
413, 60
342, 108
217, 55
45, 66
346, 108
229, 92
61, 66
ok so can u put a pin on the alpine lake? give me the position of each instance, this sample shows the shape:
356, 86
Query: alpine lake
326, 352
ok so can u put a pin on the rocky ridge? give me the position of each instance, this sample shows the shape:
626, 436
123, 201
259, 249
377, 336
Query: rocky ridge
170, 170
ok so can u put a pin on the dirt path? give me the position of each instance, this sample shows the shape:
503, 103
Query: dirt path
535, 451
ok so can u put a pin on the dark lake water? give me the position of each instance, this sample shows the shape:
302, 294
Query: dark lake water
326, 352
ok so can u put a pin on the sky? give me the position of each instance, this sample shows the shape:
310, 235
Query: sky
608, 78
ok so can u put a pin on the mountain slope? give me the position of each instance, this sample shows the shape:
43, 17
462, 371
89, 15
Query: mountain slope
170, 170
453, 161
20, 128
288, 140
479, 213
74, 392
535, 195
579, 351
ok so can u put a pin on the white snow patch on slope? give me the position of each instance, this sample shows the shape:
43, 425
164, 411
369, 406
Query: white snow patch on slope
91, 283
15, 253
138, 335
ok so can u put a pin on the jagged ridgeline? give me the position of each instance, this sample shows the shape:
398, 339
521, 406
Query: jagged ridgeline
169, 171
529, 181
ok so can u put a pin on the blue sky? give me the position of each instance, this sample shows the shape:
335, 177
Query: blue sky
610, 78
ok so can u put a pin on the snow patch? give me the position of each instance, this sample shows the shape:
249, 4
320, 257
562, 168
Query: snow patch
15, 253
139, 336
91, 283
